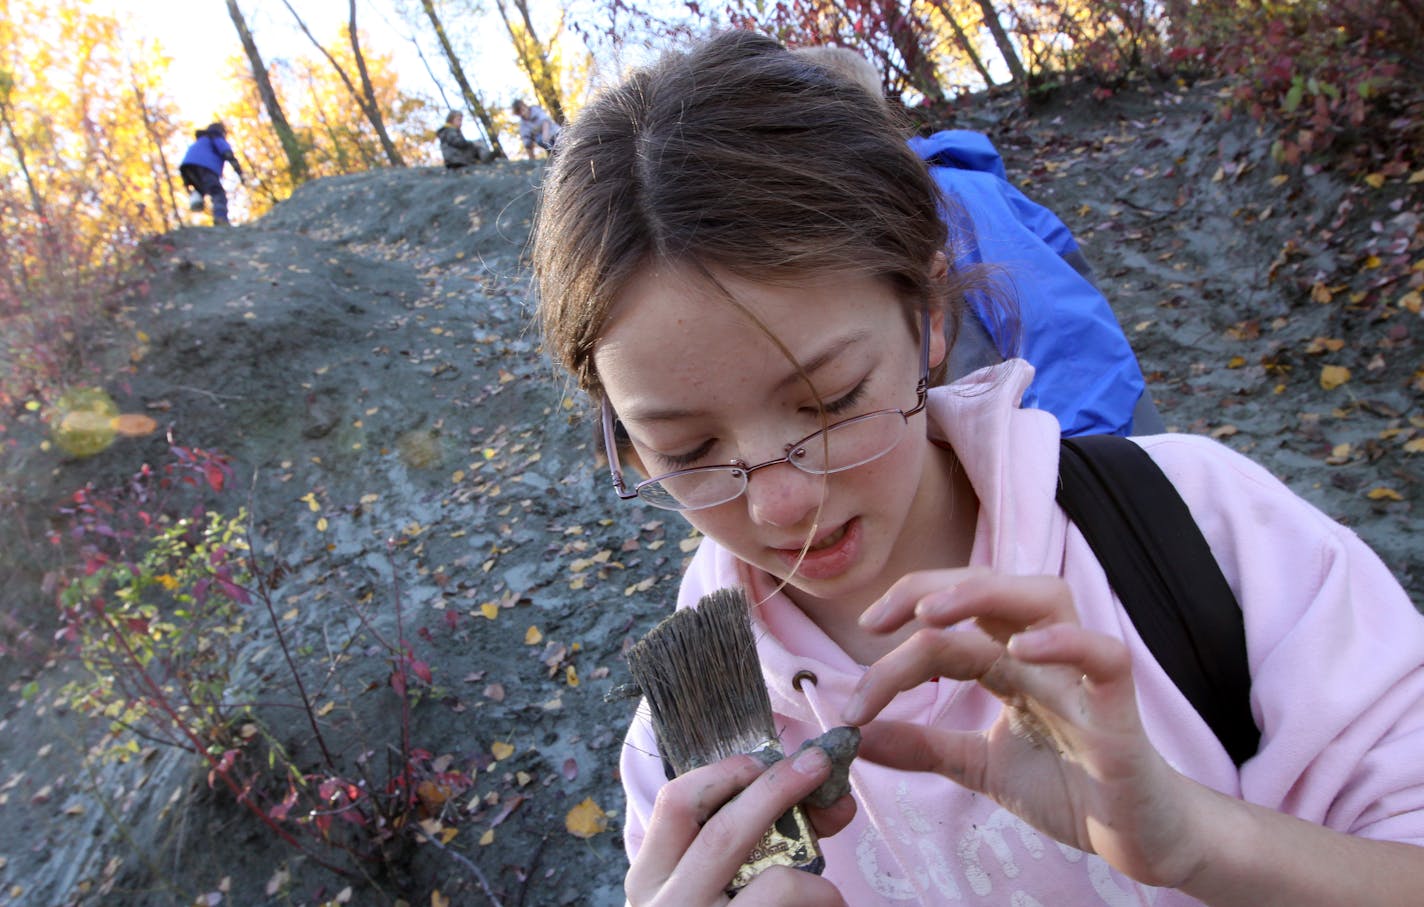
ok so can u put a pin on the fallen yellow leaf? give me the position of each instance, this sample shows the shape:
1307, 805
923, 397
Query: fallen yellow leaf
133, 425
501, 750
1375, 180
1415, 445
1384, 494
490, 610
586, 820
1319, 345
321, 524
1332, 376
487, 838
571, 676
533, 636
1412, 301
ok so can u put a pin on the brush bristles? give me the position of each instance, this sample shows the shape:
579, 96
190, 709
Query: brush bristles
699, 671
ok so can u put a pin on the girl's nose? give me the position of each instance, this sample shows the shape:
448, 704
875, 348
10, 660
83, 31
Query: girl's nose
783, 495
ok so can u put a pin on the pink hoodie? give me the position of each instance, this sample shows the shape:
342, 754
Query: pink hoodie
1336, 651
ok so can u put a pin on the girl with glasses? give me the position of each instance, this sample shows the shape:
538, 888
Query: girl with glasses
746, 270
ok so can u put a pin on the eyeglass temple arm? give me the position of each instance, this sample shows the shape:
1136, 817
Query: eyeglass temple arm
610, 449
922, 389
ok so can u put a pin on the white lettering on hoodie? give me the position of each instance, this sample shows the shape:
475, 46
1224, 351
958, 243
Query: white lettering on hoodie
992, 839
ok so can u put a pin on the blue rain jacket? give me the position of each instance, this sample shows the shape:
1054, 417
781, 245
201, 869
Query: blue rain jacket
209, 151
1086, 374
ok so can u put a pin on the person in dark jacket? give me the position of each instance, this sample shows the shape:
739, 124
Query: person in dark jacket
202, 169
457, 150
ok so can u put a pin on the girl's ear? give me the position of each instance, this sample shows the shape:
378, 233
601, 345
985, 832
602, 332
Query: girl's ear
939, 268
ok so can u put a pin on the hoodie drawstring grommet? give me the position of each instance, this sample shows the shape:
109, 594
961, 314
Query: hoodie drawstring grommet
801, 675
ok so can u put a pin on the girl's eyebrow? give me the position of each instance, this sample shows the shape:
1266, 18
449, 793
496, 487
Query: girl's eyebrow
819, 361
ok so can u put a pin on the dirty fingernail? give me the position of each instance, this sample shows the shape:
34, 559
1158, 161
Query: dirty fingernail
811, 761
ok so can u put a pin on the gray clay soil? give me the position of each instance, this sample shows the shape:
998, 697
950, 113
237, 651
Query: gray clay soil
368, 348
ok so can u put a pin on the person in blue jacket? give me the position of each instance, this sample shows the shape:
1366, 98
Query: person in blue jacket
1085, 372
202, 168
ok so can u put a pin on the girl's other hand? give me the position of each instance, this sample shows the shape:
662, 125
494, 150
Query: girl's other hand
703, 827
1067, 753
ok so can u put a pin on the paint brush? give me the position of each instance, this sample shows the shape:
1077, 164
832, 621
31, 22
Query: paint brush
700, 674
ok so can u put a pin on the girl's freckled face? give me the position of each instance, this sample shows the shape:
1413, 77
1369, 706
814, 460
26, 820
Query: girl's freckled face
697, 382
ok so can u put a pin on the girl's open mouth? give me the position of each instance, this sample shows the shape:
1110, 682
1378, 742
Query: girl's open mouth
828, 556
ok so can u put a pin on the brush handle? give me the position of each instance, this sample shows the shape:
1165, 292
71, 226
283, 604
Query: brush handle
790, 841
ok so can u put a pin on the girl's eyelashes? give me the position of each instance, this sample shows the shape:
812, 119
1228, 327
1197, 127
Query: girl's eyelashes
847, 401
684, 460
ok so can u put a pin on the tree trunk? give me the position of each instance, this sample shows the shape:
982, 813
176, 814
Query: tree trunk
291, 146
472, 98
962, 39
1001, 38
533, 61
548, 91
54, 251
369, 90
905, 32
339, 144
372, 116
167, 203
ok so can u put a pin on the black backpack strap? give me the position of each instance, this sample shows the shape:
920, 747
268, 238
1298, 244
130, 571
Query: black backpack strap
1165, 576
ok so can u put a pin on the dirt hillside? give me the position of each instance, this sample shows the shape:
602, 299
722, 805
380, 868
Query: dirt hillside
414, 466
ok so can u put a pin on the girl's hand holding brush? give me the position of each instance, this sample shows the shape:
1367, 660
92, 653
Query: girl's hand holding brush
706, 821
1067, 753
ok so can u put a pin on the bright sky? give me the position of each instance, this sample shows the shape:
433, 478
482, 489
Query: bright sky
200, 37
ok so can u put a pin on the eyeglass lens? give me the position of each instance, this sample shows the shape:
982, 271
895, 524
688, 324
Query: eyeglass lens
837, 448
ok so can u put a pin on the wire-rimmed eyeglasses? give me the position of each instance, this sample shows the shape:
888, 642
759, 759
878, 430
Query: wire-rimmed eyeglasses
837, 447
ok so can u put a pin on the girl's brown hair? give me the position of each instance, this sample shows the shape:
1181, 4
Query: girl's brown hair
736, 155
